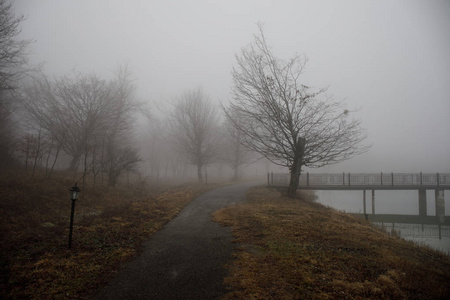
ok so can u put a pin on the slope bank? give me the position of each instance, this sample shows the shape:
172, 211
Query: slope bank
291, 249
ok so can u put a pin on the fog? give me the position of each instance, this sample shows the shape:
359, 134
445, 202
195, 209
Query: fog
389, 59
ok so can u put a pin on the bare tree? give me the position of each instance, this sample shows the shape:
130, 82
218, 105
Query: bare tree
158, 153
119, 126
72, 109
13, 52
123, 159
25, 149
7, 129
13, 62
191, 127
40, 108
233, 152
89, 118
283, 120
86, 102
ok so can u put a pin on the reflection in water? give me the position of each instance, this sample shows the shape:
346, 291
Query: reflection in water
395, 202
435, 236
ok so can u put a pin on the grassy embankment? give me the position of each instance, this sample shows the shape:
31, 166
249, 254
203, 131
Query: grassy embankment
109, 226
298, 249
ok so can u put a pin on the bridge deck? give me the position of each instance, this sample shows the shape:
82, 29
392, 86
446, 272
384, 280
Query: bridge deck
365, 181
373, 187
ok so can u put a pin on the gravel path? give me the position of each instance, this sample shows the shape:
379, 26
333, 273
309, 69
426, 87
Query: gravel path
184, 260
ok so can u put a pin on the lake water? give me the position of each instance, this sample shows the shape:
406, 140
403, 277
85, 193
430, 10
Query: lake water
398, 203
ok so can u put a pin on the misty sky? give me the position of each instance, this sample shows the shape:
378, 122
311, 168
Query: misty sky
389, 58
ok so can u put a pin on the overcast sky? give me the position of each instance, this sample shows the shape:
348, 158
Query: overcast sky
390, 58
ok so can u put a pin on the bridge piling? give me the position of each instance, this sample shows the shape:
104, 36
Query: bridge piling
422, 202
364, 203
440, 205
373, 202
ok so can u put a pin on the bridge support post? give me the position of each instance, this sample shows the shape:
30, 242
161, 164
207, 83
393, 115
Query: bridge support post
373, 202
364, 203
422, 202
440, 205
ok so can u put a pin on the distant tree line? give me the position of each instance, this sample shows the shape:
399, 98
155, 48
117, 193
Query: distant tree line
88, 118
192, 131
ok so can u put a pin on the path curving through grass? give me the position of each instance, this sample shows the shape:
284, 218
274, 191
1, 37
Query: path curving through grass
186, 259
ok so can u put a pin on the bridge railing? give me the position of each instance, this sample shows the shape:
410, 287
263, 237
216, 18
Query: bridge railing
363, 179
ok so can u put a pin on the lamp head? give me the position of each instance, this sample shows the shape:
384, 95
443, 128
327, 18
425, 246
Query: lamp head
74, 192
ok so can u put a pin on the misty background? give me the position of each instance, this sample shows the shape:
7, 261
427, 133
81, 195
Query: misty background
389, 59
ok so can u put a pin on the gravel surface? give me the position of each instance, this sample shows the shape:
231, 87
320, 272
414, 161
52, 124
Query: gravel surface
184, 260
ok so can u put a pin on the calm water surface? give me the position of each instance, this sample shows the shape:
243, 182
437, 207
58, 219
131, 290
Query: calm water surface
394, 202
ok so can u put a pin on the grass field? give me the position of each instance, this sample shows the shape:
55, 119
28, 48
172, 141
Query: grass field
110, 224
287, 249
298, 249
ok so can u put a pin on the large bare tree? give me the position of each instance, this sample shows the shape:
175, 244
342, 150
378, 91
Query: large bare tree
192, 127
283, 119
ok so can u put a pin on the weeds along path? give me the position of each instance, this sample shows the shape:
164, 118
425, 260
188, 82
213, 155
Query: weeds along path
184, 260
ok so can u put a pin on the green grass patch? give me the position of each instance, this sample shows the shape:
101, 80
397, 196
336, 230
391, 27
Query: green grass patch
298, 249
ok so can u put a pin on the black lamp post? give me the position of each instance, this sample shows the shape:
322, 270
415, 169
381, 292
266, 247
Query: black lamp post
74, 193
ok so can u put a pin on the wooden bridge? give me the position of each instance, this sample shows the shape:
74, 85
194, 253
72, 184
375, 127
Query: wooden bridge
378, 181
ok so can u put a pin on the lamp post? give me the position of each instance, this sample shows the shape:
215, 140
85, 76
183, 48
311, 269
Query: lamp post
74, 193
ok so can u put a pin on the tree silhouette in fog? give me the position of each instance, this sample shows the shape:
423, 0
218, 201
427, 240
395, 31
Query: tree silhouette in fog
286, 121
193, 126
88, 118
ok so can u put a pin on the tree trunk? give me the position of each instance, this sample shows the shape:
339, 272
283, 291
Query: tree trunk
48, 156
199, 173
112, 178
54, 161
85, 167
37, 154
74, 162
78, 155
296, 171
296, 168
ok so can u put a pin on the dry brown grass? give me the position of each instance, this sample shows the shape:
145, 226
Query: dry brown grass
110, 225
297, 249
